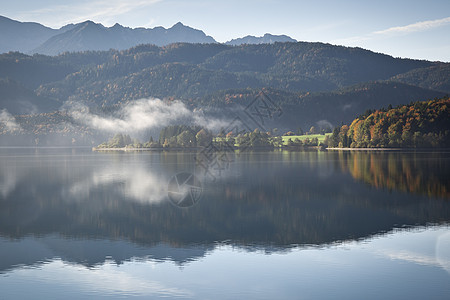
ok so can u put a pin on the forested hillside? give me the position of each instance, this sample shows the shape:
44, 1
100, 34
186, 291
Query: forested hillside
311, 82
19, 100
46, 129
192, 71
419, 124
436, 77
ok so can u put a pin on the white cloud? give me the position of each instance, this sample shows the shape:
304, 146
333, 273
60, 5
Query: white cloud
9, 176
138, 184
409, 256
442, 250
402, 30
415, 27
103, 11
421, 246
8, 121
145, 114
136, 116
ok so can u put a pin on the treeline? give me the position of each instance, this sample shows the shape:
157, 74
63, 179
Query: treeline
183, 136
420, 124
174, 136
120, 140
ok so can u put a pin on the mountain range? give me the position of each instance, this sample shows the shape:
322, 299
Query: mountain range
23, 36
265, 39
313, 83
31, 38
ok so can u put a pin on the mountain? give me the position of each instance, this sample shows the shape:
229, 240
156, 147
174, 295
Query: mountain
22, 36
313, 83
266, 39
18, 100
193, 71
44, 248
28, 37
343, 105
92, 36
33, 71
436, 77
321, 109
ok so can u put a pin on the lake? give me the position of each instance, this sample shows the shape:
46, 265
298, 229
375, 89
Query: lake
251, 225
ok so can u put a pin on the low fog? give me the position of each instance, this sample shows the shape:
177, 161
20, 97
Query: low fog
8, 121
145, 115
140, 119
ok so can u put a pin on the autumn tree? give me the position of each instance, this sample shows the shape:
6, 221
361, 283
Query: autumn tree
203, 137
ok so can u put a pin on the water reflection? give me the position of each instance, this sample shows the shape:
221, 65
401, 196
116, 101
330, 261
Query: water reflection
443, 250
89, 208
414, 172
88, 252
400, 264
132, 182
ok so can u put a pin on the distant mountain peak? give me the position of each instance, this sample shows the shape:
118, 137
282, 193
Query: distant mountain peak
117, 25
179, 24
4, 19
33, 38
22, 36
94, 36
87, 22
91, 23
265, 39
67, 27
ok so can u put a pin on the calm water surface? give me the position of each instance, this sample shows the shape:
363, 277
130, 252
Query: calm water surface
267, 225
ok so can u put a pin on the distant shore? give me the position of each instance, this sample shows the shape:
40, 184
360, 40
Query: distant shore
124, 149
147, 149
371, 149
387, 149
128, 149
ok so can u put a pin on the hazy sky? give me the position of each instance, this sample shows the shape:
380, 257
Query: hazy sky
402, 28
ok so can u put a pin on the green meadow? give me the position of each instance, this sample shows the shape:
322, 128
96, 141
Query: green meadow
320, 137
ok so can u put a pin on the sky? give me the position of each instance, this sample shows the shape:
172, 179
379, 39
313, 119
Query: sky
401, 28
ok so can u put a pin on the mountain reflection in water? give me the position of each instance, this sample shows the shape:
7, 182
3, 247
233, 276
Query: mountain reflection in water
82, 205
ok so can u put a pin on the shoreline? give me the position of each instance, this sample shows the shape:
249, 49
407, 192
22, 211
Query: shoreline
370, 149
388, 149
125, 149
